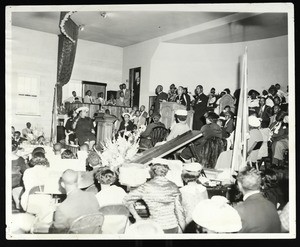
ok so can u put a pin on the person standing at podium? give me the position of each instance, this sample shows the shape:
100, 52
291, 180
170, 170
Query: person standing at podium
200, 108
182, 98
161, 96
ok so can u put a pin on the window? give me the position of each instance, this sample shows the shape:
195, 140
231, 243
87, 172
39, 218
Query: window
28, 95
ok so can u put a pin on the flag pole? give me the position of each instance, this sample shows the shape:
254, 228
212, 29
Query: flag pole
53, 122
239, 154
245, 105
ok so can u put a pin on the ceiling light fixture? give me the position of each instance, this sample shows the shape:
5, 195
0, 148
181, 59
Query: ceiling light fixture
103, 14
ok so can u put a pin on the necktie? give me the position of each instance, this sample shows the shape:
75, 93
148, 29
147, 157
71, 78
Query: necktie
260, 111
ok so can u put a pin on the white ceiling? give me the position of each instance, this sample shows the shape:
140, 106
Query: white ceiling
124, 28
262, 26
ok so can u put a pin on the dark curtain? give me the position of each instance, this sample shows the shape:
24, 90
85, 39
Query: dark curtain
66, 54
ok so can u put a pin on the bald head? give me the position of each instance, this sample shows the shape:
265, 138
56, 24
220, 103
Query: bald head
159, 89
70, 177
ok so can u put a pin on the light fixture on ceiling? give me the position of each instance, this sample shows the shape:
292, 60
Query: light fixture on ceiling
81, 27
103, 15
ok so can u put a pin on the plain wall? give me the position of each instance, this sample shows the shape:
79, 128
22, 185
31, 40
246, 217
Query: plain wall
140, 55
35, 53
216, 65
211, 65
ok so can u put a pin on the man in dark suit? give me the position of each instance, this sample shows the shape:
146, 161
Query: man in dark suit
257, 213
77, 203
200, 108
264, 112
161, 96
228, 123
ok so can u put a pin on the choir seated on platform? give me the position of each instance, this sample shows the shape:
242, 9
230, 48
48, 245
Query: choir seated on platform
177, 200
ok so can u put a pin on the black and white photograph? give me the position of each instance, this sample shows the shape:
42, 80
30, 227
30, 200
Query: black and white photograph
157, 121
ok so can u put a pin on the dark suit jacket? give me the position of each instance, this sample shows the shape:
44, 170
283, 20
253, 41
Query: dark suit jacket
162, 96
77, 203
200, 106
266, 114
229, 126
128, 128
185, 100
258, 215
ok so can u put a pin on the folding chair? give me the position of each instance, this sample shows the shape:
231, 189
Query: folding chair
87, 224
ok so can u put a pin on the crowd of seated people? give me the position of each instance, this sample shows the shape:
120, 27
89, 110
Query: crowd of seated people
173, 209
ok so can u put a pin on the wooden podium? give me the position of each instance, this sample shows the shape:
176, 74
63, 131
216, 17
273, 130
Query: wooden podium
167, 111
105, 127
116, 110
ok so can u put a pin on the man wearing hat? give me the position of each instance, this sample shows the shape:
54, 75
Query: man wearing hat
78, 203
180, 127
255, 138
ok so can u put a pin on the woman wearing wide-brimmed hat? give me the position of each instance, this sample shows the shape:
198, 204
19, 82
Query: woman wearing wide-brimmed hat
126, 125
255, 137
216, 216
84, 128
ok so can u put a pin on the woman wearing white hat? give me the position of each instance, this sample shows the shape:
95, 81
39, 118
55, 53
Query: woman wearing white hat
84, 128
192, 192
126, 125
255, 138
216, 216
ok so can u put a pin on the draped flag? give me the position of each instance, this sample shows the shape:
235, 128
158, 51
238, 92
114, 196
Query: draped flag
67, 44
242, 129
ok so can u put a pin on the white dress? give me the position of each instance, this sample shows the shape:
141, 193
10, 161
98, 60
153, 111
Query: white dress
192, 194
